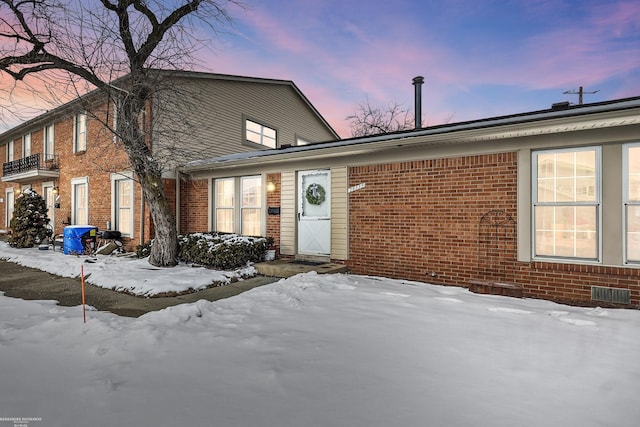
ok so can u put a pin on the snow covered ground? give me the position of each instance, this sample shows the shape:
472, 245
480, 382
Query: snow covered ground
319, 350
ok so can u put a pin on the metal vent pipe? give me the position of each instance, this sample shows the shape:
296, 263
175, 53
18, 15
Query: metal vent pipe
417, 82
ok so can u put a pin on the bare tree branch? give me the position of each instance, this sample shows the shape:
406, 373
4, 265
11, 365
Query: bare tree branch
371, 120
96, 43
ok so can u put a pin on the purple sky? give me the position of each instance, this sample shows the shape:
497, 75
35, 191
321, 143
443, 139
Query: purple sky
479, 58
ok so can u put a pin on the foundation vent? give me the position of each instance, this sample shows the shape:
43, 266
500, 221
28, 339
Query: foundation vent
615, 295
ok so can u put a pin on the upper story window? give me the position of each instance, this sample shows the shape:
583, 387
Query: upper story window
10, 155
260, 134
80, 133
566, 203
26, 145
49, 142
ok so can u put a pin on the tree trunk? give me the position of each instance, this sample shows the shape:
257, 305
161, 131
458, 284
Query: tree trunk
164, 252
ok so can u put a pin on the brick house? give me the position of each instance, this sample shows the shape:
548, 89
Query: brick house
546, 203
71, 157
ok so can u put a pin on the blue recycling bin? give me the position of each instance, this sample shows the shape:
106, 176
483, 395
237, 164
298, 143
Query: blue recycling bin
76, 236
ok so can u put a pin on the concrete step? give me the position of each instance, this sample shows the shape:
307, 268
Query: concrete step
288, 268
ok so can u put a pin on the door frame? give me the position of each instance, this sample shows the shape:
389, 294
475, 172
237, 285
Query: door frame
319, 225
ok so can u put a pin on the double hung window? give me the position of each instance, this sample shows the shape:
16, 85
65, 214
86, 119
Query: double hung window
122, 203
49, 142
631, 199
567, 203
80, 133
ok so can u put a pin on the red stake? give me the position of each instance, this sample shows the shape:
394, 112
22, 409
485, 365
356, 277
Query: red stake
84, 311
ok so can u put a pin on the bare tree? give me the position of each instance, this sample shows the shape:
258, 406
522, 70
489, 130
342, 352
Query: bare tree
371, 120
111, 48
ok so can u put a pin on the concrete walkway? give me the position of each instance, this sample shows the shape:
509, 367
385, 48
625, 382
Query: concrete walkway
33, 284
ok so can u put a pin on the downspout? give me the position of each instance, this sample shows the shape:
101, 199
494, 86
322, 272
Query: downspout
177, 201
141, 217
417, 82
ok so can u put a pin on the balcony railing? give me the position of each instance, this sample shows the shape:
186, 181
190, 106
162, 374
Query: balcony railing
29, 164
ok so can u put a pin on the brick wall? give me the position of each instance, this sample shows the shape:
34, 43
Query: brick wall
194, 206
420, 220
273, 200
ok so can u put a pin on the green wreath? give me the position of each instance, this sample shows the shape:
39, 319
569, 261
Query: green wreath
315, 194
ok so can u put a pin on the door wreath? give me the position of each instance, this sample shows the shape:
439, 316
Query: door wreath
315, 194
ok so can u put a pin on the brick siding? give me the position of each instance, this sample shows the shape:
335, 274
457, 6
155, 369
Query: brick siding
420, 220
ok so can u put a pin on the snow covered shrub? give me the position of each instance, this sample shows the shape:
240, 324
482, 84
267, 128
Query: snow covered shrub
144, 250
223, 251
30, 220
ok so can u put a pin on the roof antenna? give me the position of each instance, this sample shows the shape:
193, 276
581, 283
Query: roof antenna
579, 92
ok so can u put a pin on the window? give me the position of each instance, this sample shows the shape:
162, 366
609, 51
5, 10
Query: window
238, 205
251, 210
49, 143
225, 189
10, 157
10, 204
566, 203
80, 133
301, 141
26, 145
631, 201
80, 201
260, 134
122, 203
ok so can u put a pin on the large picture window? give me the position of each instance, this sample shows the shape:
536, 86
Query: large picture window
238, 205
566, 203
632, 202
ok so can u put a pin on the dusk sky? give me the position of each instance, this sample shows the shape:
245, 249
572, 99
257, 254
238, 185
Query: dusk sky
479, 58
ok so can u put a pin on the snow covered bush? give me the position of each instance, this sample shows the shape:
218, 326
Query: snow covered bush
222, 251
30, 220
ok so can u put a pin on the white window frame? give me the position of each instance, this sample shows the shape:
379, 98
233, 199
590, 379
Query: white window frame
26, 145
49, 142
116, 178
74, 202
238, 203
245, 207
626, 201
597, 203
10, 151
80, 125
260, 136
10, 201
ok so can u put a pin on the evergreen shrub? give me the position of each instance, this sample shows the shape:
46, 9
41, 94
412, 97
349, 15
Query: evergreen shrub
29, 225
222, 251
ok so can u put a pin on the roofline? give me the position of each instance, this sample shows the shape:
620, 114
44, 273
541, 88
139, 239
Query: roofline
66, 107
493, 122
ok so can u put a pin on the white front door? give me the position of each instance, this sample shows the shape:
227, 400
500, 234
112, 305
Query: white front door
314, 212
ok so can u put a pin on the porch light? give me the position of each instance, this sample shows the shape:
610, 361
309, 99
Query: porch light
271, 187
55, 190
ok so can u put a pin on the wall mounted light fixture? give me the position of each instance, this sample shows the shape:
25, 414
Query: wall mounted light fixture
271, 187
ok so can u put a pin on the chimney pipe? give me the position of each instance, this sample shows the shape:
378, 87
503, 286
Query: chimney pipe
417, 82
